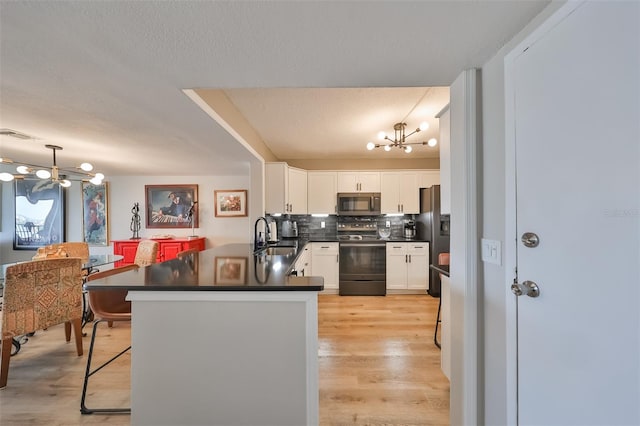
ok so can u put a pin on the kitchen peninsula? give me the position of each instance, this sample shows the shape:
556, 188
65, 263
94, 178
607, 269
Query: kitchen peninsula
222, 336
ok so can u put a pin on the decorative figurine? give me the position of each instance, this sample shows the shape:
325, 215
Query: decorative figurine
135, 221
191, 219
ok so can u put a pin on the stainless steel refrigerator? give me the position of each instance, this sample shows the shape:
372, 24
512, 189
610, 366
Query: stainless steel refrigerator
433, 227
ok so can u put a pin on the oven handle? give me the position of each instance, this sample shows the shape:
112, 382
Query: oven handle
362, 244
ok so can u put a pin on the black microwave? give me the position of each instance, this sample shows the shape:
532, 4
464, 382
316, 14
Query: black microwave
358, 203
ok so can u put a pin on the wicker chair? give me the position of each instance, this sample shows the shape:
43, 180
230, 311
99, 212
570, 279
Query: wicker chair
146, 253
109, 306
38, 295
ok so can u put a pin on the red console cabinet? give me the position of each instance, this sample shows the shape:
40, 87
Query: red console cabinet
167, 249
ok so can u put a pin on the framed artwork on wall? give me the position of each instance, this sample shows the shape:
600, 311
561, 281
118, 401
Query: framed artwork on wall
169, 206
39, 218
231, 270
230, 202
95, 214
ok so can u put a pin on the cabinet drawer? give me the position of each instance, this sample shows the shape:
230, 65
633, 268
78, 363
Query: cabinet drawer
419, 248
324, 248
396, 248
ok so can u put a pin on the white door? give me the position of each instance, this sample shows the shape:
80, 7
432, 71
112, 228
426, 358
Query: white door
577, 139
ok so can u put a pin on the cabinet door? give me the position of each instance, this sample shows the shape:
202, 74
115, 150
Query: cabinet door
297, 191
397, 265
409, 193
321, 192
325, 263
418, 266
389, 192
127, 249
427, 178
369, 181
348, 182
168, 250
276, 187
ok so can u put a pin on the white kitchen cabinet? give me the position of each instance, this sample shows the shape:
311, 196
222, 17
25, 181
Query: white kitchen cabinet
400, 192
325, 263
408, 266
358, 181
322, 188
428, 178
286, 189
303, 262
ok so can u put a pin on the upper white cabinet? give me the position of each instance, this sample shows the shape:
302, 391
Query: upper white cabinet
286, 189
445, 162
400, 192
321, 192
427, 178
358, 181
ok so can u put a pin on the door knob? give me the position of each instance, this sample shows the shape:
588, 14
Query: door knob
527, 288
530, 239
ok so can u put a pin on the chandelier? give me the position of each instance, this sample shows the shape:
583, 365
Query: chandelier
400, 138
62, 176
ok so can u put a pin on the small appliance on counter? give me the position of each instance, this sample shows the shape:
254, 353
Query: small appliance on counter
409, 229
273, 232
289, 229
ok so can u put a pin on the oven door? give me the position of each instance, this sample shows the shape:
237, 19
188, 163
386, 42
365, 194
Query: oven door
363, 269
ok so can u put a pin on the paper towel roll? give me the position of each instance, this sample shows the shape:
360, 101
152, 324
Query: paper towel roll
273, 231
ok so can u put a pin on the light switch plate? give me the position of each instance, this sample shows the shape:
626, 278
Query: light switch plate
322, 224
491, 251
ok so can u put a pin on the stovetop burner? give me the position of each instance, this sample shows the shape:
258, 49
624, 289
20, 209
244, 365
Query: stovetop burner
356, 237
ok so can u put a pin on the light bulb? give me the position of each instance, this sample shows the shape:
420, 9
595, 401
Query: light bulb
6, 177
387, 147
100, 176
65, 183
87, 167
382, 135
432, 142
43, 174
408, 149
23, 170
370, 146
94, 180
424, 126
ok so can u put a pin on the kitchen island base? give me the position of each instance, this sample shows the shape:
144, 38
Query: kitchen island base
224, 358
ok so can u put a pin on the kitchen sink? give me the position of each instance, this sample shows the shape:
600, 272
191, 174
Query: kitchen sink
279, 251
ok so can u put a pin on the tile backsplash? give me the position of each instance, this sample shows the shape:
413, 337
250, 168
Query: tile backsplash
310, 227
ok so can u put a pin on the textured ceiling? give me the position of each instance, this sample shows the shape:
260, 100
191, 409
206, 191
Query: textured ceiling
104, 79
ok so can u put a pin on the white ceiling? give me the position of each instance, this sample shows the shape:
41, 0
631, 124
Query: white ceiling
104, 79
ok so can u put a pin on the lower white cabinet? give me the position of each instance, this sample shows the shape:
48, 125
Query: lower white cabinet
408, 266
303, 263
325, 263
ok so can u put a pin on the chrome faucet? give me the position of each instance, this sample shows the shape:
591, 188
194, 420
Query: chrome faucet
258, 243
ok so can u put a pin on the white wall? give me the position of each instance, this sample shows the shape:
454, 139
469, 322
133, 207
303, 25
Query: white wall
495, 279
124, 191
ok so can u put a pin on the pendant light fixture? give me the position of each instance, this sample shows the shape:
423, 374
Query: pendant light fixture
62, 176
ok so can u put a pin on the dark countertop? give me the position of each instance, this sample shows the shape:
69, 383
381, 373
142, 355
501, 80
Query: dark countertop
443, 269
231, 267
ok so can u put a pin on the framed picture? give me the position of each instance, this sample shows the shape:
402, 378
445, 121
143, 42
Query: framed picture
171, 206
231, 270
39, 219
95, 214
231, 203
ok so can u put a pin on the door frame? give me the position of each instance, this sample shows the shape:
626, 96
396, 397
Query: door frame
511, 237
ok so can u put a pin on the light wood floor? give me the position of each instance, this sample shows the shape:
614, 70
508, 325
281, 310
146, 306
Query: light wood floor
377, 363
